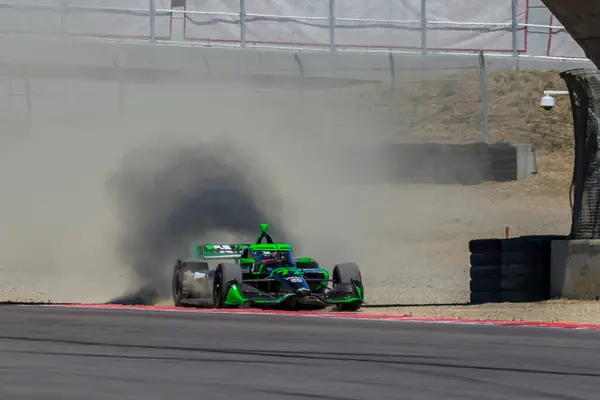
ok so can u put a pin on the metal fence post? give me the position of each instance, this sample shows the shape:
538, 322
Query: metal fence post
332, 25
243, 23
392, 74
28, 95
484, 100
424, 26
515, 46
120, 85
152, 12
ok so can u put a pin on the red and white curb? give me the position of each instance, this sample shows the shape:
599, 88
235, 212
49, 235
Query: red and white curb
333, 315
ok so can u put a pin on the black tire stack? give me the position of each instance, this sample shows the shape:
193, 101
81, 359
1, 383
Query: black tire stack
504, 163
525, 270
514, 270
486, 263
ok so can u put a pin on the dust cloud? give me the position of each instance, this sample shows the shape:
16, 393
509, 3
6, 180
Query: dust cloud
105, 187
248, 156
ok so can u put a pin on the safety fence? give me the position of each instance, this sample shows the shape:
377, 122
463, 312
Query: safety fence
561, 43
474, 97
500, 26
413, 24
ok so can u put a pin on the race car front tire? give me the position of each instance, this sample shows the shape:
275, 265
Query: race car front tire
225, 275
348, 274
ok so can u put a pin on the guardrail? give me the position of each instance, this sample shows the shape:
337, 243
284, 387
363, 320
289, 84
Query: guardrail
500, 26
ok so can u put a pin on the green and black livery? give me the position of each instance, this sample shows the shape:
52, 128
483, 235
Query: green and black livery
263, 275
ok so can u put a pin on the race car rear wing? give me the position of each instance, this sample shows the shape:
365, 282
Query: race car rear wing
219, 251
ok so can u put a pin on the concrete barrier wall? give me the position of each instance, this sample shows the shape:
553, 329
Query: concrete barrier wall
575, 269
109, 58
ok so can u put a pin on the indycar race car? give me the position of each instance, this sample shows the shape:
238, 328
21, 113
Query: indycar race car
263, 275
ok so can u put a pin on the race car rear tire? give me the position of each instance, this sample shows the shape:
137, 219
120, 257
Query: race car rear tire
179, 289
177, 285
348, 274
225, 275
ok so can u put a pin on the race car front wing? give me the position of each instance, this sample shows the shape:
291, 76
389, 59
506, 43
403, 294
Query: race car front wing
245, 294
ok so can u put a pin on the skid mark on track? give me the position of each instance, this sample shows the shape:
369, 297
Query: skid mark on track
232, 356
331, 315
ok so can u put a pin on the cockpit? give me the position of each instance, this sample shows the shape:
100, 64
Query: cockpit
283, 256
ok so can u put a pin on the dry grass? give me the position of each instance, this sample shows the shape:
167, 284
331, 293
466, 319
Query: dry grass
553, 179
449, 109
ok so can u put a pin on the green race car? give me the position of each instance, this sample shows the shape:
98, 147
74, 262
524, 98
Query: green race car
263, 275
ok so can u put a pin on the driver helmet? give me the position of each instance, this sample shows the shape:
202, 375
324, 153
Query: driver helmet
268, 255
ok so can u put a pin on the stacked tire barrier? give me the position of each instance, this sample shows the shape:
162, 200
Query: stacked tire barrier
486, 264
504, 163
440, 163
514, 270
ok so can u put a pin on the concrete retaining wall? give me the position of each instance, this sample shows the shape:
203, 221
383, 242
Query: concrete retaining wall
72, 58
575, 269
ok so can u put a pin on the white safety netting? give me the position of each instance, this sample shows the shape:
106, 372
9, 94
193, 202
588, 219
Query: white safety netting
88, 18
449, 24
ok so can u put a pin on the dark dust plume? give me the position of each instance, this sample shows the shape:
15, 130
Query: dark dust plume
193, 193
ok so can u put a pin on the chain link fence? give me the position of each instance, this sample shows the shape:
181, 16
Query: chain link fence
561, 43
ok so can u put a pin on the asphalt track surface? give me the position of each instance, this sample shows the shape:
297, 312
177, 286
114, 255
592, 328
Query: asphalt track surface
62, 353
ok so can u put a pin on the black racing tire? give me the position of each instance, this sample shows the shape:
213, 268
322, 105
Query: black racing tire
485, 297
531, 243
535, 270
225, 275
530, 284
485, 245
348, 274
522, 257
485, 272
485, 285
177, 285
477, 259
